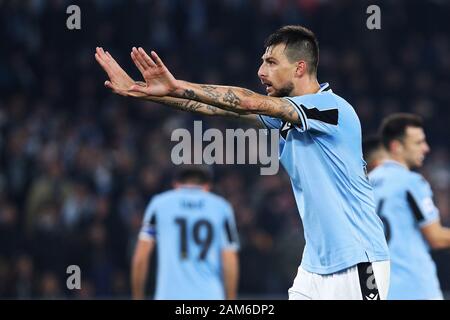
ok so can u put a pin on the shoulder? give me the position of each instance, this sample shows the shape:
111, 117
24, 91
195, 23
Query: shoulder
417, 180
377, 172
377, 176
163, 197
393, 173
320, 99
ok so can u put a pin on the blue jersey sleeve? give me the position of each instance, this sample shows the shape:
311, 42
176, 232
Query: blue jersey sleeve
270, 122
318, 113
229, 235
148, 229
420, 200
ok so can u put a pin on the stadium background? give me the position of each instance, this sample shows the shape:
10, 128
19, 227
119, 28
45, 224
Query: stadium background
79, 164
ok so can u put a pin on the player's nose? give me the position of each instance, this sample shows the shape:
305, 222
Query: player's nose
261, 73
426, 148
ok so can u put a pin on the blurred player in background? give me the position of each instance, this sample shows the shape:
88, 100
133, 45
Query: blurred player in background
405, 204
374, 152
346, 255
197, 242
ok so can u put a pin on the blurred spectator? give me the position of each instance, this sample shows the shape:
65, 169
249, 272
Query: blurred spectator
49, 286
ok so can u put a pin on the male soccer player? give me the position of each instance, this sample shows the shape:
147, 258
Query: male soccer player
197, 242
404, 201
374, 152
346, 255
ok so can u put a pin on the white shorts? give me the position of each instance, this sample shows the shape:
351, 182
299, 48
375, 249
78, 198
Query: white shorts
364, 281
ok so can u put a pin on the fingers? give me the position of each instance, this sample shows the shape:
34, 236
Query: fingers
137, 61
143, 59
104, 65
147, 58
109, 64
101, 53
156, 58
111, 86
103, 60
110, 56
106, 57
99, 56
114, 88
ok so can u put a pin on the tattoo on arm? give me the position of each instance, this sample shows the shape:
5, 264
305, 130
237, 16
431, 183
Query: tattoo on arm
247, 93
279, 109
195, 106
240, 101
211, 91
189, 94
231, 98
286, 110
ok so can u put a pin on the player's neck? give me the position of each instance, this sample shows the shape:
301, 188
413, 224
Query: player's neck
398, 160
306, 85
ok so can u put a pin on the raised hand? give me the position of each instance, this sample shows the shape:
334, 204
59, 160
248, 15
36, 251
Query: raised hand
159, 81
119, 81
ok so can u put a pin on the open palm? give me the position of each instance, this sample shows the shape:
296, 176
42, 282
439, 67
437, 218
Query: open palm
159, 81
119, 81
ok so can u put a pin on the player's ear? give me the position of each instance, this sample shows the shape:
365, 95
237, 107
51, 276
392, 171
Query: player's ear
301, 68
396, 147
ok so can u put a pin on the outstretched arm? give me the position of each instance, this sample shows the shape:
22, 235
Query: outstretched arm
120, 82
237, 99
198, 107
160, 82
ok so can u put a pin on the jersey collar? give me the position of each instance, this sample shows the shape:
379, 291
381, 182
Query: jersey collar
395, 163
190, 187
324, 87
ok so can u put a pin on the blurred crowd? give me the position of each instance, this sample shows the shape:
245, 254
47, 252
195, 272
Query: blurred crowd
78, 164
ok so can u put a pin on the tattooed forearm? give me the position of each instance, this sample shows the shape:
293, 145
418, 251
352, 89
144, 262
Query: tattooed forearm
189, 94
280, 109
283, 110
195, 106
223, 97
231, 98
237, 100
211, 91
217, 111
247, 93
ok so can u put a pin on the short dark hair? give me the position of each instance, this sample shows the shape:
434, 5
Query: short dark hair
394, 126
301, 43
195, 174
371, 144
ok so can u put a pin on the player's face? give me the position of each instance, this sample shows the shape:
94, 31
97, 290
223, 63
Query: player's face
276, 72
415, 147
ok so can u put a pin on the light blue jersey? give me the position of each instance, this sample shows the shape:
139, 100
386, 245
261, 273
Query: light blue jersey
323, 157
404, 202
191, 228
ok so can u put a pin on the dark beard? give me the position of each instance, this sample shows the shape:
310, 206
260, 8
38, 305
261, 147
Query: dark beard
285, 91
